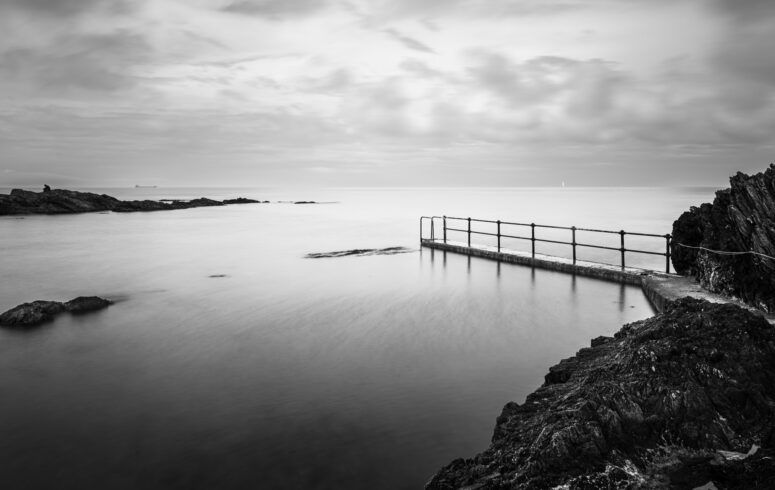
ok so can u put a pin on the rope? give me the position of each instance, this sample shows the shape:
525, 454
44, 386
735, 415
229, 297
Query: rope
722, 252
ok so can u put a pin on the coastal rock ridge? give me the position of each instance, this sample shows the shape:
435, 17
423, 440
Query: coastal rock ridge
62, 201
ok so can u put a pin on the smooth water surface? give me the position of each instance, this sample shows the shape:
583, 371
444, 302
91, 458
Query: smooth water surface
353, 372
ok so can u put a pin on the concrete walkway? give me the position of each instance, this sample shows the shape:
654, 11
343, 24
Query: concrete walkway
660, 288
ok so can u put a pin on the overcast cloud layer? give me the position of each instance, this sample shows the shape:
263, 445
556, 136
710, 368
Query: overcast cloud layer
379, 92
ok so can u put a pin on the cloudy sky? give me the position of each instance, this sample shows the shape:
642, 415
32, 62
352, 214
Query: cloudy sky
385, 92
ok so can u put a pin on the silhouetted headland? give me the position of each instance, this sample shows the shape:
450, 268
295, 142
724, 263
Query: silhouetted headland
685, 399
62, 201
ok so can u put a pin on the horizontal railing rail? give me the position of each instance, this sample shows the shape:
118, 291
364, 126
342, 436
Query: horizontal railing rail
499, 235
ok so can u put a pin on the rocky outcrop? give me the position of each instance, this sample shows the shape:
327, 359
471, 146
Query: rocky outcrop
86, 304
243, 200
675, 401
37, 312
713, 242
62, 201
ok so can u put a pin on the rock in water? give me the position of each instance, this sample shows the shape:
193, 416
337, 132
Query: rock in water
661, 405
85, 304
32, 314
62, 201
741, 219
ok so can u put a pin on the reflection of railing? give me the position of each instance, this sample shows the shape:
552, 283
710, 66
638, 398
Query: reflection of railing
533, 239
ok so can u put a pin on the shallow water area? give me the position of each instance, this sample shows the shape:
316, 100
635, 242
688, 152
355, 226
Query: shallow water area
284, 371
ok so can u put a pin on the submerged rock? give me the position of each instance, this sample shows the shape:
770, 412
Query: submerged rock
359, 252
62, 201
729, 246
663, 404
37, 312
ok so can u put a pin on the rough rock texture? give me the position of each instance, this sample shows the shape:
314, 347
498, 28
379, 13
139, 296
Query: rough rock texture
62, 201
675, 401
741, 219
32, 314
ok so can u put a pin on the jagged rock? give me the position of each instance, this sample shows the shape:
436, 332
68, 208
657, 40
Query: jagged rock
654, 407
741, 219
32, 314
62, 201
85, 304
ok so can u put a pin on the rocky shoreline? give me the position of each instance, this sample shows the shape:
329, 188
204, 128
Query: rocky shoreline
63, 201
682, 400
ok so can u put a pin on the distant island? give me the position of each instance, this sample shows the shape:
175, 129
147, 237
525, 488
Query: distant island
63, 201
145, 186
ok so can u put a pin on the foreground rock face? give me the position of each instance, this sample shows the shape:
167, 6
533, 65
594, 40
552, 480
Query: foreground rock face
32, 314
62, 201
741, 218
674, 401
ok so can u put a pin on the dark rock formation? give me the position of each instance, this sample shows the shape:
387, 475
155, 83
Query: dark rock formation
360, 252
85, 304
32, 314
741, 219
243, 200
304, 202
675, 401
62, 201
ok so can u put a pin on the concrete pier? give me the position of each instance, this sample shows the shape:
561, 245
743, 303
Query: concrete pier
659, 287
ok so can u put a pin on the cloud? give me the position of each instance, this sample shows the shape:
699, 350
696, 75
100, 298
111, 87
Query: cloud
334, 82
275, 9
77, 62
66, 8
408, 41
746, 10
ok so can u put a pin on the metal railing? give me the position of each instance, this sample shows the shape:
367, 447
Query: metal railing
533, 239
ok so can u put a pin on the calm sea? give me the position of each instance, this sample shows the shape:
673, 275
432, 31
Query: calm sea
353, 372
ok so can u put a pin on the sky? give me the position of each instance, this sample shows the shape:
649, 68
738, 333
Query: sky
385, 92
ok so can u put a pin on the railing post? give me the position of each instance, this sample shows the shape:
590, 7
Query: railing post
444, 218
573, 242
469, 232
499, 236
533, 239
621, 234
667, 253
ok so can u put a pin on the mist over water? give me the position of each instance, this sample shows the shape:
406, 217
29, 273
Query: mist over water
288, 372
